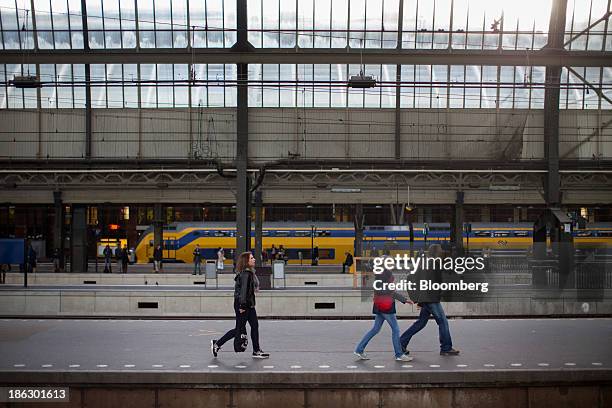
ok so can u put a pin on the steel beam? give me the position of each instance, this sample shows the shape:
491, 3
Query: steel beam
88, 111
243, 193
551, 105
542, 57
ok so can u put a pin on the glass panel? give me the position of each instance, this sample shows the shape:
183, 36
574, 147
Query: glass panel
179, 23
163, 26
130, 91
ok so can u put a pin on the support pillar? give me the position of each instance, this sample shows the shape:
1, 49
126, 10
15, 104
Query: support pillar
158, 225
359, 222
258, 227
88, 111
58, 223
556, 34
78, 241
457, 224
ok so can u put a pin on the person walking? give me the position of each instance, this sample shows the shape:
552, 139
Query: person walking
108, 254
315, 256
125, 259
197, 260
158, 255
384, 309
246, 284
429, 303
220, 258
347, 262
31, 259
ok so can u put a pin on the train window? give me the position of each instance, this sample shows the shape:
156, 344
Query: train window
282, 233
151, 243
197, 233
482, 234
302, 233
323, 233
583, 234
265, 233
604, 233
521, 233
501, 234
220, 234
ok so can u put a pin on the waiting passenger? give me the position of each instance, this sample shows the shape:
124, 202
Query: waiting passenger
273, 254
244, 306
315, 256
347, 262
124, 259
108, 254
220, 258
429, 303
384, 309
197, 260
158, 255
31, 266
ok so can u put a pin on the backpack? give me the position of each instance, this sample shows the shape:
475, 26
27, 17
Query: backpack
384, 303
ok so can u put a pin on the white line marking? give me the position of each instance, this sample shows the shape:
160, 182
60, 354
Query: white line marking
213, 366
596, 364
102, 365
184, 366
74, 366
268, 367
240, 366
516, 364
434, 365
129, 365
296, 366
462, 365
323, 366
570, 364
18, 365
351, 366
47, 365
489, 365
157, 365
407, 366
543, 364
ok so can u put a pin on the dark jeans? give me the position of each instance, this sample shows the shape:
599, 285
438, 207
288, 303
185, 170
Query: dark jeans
428, 309
250, 315
344, 265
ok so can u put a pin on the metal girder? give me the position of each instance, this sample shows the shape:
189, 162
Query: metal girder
315, 56
552, 91
590, 85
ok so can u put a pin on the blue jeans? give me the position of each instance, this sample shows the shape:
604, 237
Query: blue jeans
427, 309
378, 322
197, 267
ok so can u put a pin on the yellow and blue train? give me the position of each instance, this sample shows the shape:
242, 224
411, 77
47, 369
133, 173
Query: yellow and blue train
334, 239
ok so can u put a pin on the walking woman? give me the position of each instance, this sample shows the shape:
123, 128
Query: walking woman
384, 309
244, 305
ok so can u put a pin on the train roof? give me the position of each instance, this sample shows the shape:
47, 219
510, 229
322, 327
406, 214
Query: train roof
269, 225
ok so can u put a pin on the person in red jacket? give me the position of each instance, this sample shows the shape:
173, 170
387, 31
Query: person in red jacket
384, 309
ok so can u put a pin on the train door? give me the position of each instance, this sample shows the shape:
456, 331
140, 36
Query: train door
169, 249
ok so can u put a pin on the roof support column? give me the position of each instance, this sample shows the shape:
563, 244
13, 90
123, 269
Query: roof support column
556, 32
243, 194
87, 81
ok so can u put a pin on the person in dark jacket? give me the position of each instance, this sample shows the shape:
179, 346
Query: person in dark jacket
31, 259
384, 309
158, 255
429, 303
125, 259
315, 256
246, 284
347, 262
108, 254
197, 260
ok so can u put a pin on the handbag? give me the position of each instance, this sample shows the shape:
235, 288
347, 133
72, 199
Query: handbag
241, 340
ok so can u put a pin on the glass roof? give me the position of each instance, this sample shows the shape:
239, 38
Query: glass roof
373, 24
424, 24
303, 85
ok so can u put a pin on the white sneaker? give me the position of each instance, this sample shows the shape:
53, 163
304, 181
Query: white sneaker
361, 356
403, 357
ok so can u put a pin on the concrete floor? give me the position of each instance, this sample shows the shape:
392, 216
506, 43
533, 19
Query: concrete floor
97, 346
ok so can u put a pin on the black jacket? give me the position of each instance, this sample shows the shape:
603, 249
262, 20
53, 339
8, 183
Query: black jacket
349, 260
244, 289
158, 254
